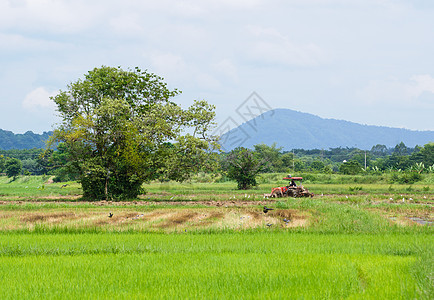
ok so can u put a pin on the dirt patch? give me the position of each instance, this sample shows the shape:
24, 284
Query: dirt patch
407, 217
33, 218
65, 197
165, 219
131, 215
176, 220
47, 217
298, 221
118, 217
4, 216
75, 201
255, 215
206, 219
283, 213
213, 216
107, 220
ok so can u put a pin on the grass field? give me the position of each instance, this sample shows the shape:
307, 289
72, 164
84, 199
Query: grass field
207, 240
215, 265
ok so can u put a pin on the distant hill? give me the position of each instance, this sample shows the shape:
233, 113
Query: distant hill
296, 130
28, 140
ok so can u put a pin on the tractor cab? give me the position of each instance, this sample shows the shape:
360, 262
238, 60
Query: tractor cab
293, 181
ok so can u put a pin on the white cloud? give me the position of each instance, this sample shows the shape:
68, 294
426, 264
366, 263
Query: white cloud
48, 15
18, 43
394, 91
176, 69
194, 8
420, 84
127, 24
310, 50
270, 46
227, 69
39, 98
168, 64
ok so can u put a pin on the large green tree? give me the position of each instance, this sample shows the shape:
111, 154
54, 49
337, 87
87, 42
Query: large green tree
121, 129
242, 166
13, 167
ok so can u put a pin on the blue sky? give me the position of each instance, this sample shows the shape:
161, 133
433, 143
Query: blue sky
365, 61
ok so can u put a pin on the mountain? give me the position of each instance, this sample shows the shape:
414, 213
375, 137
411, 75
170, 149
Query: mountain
296, 130
28, 140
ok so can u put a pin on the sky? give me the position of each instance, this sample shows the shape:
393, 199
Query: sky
364, 61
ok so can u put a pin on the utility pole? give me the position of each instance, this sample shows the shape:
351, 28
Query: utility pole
365, 160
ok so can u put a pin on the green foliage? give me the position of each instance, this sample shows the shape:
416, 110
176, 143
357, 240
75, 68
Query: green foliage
272, 158
351, 167
116, 129
405, 177
242, 166
2, 162
400, 149
299, 165
379, 150
13, 167
28, 157
317, 165
424, 156
31, 166
22, 154
327, 169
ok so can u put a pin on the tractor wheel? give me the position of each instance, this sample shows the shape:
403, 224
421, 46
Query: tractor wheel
277, 194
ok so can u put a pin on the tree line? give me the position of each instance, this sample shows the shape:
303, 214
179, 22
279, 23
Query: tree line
121, 128
263, 159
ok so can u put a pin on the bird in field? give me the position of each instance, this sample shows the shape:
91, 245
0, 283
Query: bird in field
286, 220
110, 215
266, 209
269, 225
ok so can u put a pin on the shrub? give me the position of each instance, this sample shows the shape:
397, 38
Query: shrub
405, 177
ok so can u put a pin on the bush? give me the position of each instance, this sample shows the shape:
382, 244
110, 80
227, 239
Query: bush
243, 167
405, 178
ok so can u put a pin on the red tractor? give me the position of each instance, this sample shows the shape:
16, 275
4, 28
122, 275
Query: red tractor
291, 190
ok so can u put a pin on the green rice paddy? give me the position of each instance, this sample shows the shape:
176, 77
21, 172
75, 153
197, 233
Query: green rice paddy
247, 265
210, 241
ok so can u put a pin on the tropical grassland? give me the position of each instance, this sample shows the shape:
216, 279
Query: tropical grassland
360, 237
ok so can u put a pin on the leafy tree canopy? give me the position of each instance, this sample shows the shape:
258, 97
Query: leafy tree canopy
121, 129
270, 155
243, 166
351, 167
13, 167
